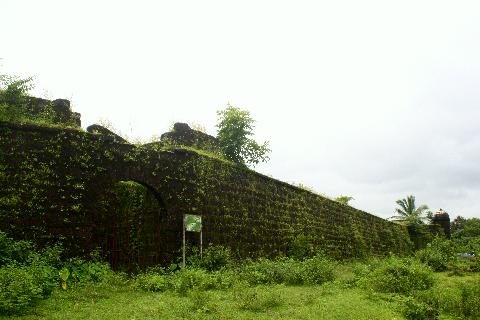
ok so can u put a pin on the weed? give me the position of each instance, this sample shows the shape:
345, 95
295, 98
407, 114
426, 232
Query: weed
258, 299
395, 275
469, 304
438, 254
415, 309
215, 257
301, 248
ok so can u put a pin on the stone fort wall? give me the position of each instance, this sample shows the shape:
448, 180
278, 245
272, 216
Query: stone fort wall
52, 180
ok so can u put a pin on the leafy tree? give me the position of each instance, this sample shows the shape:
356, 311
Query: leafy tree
13, 98
13, 91
235, 127
408, 213
466, 228
344, 199
429, 216
15, 102
457, 224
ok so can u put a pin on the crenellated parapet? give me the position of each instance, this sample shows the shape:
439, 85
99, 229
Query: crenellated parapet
63, 113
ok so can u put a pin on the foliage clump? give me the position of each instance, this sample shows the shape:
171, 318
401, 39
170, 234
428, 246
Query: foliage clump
184, 280
457, 255
28, 275
469, 302
13, 251
465, 229
235, 126
286, 271
214, 258
418, 309
258, 299
22, 286
302, 247
14, 102
408, 213
396, 275
314, 270
344, 200
16, 105
438, 254
459, 301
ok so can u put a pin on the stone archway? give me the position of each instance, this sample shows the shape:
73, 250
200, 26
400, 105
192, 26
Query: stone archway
131, 226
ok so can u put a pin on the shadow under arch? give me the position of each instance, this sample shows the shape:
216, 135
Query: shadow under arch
132, 225
154, 191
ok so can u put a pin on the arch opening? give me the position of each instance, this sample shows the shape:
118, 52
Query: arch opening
130, 226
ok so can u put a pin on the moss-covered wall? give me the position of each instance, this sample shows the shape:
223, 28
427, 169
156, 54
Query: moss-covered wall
53, 179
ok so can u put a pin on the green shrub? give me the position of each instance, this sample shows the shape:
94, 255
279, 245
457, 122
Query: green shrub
185, 280
14, 102
51, 255
264, 271
215, 257
258, 299
12, 251
200, 300
471, 245
438, 254
24, 252
459, 267
315, 270
301, 248
152, 282
223, 279
14, 90
461, 301
87, 271
45, 277
28, 275
415, 309
22, 286
199, 279
475, 265
469, 303
18, 290
396, 275
25, 274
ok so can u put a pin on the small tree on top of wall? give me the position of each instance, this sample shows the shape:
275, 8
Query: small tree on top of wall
13, 98
235, 126
344, 200
14, 102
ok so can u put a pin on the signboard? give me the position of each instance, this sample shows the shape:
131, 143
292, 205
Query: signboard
193, 223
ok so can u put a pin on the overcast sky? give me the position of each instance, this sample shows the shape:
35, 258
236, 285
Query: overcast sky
373, 99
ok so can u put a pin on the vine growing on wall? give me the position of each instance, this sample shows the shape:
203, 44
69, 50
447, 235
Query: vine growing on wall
53, 174
131, 215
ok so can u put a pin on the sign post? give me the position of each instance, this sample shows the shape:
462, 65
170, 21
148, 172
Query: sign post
192, 223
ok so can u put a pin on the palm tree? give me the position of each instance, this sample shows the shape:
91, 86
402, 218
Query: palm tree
408, 213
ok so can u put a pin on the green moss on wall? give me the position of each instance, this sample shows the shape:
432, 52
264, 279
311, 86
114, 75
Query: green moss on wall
53, 179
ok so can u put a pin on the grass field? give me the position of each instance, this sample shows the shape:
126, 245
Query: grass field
272, 302
334, 300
